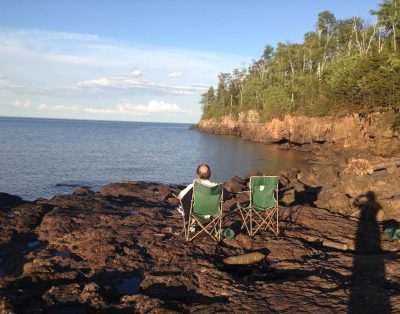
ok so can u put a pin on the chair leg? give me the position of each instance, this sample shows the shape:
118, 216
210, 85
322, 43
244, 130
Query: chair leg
184, 228
188, 223
220, 228
245, 218
277, 220
251, 223
208, 228
269, 221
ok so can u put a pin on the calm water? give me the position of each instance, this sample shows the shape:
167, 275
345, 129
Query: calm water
44, 157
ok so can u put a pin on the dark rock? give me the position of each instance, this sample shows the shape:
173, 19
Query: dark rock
8, 201
137, 189
235, 184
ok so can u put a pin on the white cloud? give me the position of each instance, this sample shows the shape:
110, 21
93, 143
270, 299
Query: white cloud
175, 74
24, 104
43, 107
91, 70
59, 107
128, 83
71, 59
153, 106
96, 82
136, 73
92, 50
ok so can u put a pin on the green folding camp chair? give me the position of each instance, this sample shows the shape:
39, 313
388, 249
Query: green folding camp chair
261, 213
205, 211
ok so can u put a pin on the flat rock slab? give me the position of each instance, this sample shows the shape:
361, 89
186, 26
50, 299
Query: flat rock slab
122, 251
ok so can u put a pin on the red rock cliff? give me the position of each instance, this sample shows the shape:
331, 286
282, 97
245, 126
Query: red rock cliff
362, 131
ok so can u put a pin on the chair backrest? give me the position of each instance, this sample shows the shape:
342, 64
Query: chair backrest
207, 199
263, 191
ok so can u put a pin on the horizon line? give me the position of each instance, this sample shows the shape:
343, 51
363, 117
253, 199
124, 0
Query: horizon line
93, 120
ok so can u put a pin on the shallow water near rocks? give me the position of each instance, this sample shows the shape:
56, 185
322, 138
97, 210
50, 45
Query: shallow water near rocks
33, 244
2, 270
64, 254
130, 286
68, 310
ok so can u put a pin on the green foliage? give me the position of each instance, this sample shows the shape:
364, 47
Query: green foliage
344, 66
396, 122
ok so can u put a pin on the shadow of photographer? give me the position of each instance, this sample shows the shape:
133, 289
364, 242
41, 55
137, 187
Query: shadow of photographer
368, 284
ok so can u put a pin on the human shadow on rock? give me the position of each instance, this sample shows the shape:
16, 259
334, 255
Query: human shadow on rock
368, 293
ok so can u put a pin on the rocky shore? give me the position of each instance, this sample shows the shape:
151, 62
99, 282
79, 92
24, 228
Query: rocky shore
368, 132
120, 250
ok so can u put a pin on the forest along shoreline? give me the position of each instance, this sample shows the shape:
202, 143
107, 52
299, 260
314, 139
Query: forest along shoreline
353, 154
336, 94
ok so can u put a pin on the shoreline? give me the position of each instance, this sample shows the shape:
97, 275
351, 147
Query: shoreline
368, 132
120, 249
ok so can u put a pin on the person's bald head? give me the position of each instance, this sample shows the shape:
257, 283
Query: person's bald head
204, 172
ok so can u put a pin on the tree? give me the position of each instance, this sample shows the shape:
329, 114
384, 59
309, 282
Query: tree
343, 66
389, 16
326, 27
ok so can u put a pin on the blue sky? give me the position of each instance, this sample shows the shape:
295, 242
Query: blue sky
138, 60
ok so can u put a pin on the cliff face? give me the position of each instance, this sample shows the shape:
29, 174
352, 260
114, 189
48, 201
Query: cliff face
359, 131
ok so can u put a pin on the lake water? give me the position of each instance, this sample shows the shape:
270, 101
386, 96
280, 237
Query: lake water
44, 157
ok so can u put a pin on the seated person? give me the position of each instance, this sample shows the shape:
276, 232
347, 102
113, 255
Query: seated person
185, 196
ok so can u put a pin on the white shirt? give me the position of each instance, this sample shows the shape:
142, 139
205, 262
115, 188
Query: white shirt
190, 186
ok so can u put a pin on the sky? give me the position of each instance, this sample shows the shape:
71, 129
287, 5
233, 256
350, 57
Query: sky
147, 60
